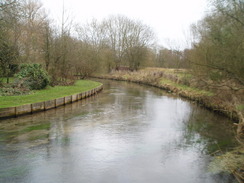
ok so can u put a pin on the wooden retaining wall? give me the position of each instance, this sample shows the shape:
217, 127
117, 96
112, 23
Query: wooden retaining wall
46, 105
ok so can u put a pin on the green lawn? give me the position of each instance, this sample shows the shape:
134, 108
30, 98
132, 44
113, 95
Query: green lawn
48, 94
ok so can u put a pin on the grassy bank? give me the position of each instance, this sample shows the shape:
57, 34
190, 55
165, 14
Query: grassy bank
47, 94
180, 83
184, 84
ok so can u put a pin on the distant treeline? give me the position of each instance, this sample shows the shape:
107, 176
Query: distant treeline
28, 35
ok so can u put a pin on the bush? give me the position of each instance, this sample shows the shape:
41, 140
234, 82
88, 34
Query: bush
13, 91
32, 76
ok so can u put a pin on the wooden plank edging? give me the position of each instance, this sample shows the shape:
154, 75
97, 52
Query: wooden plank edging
46, 105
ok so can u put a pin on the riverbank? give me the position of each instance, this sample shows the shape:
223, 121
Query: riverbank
127, 125
182, 84
173, 84
49, 98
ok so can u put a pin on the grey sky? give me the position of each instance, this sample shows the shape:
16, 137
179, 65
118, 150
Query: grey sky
170, 19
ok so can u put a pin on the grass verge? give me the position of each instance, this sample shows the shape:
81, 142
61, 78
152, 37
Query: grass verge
47, 94
187, 88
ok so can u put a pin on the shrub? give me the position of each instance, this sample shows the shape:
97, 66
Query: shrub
32, 76
13, 91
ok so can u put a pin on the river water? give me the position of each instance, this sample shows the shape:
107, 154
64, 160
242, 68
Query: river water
126, 134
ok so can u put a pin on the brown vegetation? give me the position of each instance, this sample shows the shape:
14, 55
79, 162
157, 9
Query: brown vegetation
210, 72
27, 35
181, 82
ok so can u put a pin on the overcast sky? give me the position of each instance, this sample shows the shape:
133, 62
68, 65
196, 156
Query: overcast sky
170, 19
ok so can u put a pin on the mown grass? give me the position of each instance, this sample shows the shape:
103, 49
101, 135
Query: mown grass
186, 88
47, 94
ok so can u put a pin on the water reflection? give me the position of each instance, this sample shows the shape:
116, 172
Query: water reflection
128, 133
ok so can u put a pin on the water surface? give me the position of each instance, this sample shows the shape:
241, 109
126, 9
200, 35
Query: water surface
126, 134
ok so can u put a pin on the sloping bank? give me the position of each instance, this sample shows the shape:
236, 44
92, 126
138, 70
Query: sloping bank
204, 98
54, 98
231, 162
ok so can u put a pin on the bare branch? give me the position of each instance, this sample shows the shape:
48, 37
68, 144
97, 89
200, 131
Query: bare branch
233, 75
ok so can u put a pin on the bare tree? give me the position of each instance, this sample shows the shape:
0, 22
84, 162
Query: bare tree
128, 40
4, 4
9, 36
92, 36
32, 24
219, 47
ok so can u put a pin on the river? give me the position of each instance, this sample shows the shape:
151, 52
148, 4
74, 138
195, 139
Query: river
126, 134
